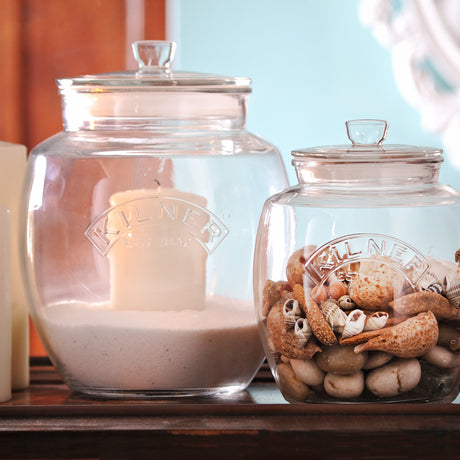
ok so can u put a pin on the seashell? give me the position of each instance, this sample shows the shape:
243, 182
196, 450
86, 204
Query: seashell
421, 301
457, 256
354, 323
272, 292
376, 321
431, 279
346, 302
302, 331
440, 272
452, 292
319, 294
333, 314
435, 287
409, 339
284, 340
295, 267
337, 289
291, 312
376, 283
454, 345
320, 327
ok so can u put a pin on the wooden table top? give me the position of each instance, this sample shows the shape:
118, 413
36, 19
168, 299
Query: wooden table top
48, 420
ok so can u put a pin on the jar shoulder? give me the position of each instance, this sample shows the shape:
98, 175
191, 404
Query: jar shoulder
152, 143
430, 195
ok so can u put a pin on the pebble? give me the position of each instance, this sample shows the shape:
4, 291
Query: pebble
396, 377
344, 386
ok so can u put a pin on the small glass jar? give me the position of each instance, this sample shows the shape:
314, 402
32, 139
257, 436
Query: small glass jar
356, 278
140, 222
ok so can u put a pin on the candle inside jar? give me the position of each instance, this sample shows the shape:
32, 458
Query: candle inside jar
158, 260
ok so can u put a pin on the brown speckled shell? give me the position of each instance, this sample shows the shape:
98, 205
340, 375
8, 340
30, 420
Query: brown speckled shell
375, 285
421, 301
295, 268
410, 339
272, 292
318, 323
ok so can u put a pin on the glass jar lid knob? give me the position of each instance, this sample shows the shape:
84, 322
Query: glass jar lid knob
366, 132
154, 56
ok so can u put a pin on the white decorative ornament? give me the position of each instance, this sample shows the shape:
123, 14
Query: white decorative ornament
424, 39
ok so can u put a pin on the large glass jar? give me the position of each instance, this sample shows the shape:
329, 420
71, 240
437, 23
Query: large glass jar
356, 278
140, 225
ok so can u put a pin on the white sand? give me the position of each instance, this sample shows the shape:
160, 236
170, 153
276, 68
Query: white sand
99, 347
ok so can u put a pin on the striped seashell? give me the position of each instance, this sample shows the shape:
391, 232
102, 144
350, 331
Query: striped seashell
291, 312
441, 272
435, 287
452, 292
376, 321
334, 315
354, 324
346, 302
430, 279
302, 331
337, 290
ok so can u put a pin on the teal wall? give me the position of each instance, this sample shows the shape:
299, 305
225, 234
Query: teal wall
313, 67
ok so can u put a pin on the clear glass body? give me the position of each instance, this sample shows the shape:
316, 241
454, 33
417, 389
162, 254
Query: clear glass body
140, 225
356, 280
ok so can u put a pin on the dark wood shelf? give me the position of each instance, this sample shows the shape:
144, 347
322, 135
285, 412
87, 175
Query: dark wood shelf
48, 420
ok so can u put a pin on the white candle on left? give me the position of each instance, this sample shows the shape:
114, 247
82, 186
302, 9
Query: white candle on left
5, 306
158, 261
12, 169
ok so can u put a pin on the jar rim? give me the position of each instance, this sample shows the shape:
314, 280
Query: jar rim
354, 153
177, 81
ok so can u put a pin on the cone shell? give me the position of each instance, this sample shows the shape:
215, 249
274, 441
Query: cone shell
410, 339
334, 315
375, 285
417, 302
376, 321
318, 323
354, 323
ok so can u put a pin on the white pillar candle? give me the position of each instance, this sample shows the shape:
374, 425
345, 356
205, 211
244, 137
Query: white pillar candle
5, 306
158, 249
12, 169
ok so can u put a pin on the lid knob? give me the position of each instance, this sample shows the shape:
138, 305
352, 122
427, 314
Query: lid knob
154, 55
366, 132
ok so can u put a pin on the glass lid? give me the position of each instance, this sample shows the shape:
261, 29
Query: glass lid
154, 73
367, 136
